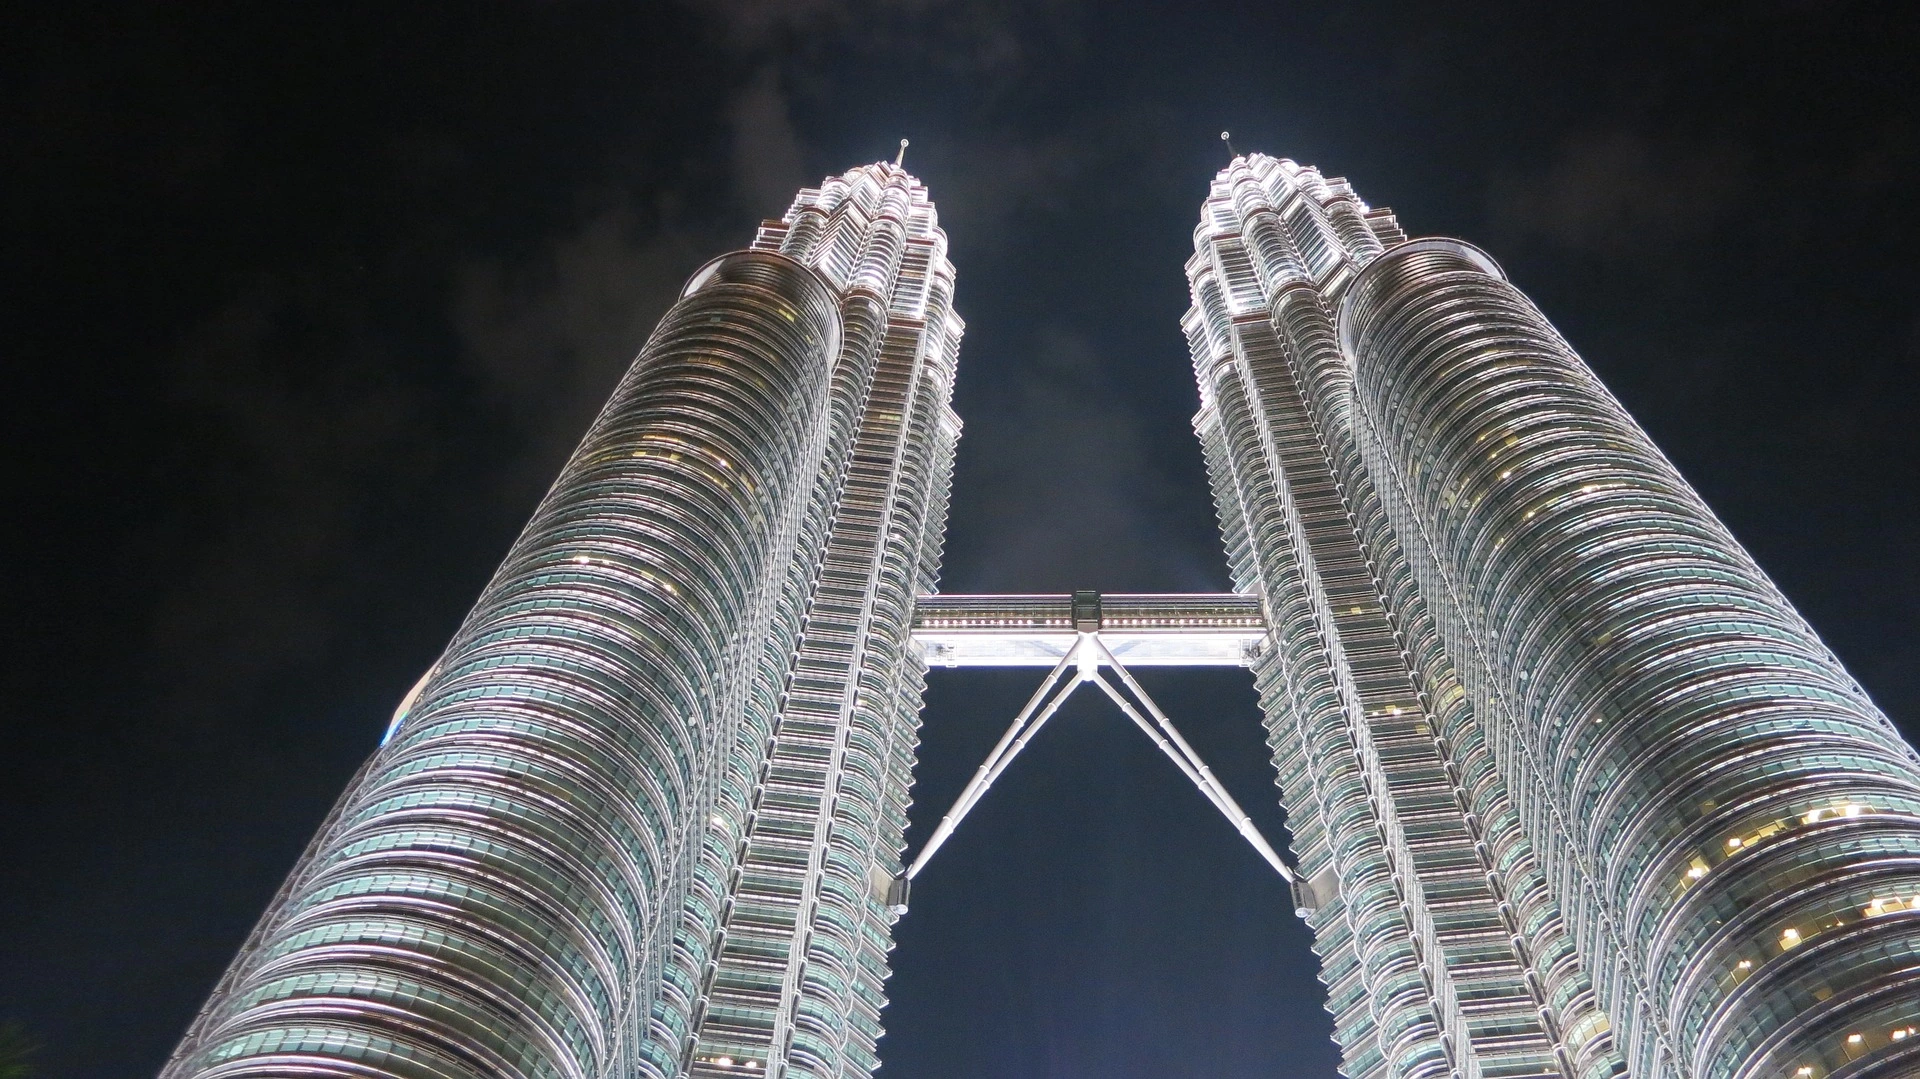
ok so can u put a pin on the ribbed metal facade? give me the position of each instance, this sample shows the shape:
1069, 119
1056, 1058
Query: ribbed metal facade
1576, 790
795, 984
629, 822
1573, 790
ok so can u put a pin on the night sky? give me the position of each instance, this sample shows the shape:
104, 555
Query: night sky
305, 304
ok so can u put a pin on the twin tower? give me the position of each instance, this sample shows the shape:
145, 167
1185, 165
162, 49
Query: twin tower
1573, 791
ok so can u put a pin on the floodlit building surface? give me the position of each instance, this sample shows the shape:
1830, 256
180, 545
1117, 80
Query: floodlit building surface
1572, 789
628, 824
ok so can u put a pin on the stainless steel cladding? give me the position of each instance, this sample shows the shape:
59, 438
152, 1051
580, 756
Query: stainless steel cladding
495, 894
1596, 800
799, 927
1732, 821
1572, 789
556, 865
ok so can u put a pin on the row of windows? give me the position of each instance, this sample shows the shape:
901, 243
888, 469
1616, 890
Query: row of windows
830, 764
524, 835
1673, 663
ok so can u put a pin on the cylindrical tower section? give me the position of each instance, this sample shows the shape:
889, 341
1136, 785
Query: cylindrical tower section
495, 895
1732, 827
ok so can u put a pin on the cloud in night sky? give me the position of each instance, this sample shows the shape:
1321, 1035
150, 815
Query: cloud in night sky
1620, 194
1060, 454
549, 336
310, 306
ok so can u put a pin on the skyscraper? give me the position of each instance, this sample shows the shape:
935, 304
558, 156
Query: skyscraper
1572, 788
632, 821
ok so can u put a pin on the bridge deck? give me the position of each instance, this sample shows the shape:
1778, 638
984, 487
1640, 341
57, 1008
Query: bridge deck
1192, 630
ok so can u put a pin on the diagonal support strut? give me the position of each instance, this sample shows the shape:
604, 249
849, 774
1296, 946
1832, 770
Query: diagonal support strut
1188, 761
1089, 653
1010, 744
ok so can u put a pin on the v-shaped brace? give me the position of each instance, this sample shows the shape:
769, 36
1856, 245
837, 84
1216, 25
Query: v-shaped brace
1087, 656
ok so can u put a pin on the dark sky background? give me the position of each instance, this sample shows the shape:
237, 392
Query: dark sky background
305, 304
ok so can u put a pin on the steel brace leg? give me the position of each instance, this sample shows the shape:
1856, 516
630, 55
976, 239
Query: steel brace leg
1090, 653
1009, 746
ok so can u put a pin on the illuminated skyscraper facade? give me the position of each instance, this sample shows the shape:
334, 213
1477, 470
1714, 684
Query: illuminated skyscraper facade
640, 817
1573, 789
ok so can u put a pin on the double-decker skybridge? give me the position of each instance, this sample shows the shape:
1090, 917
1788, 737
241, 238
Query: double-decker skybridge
1081, 637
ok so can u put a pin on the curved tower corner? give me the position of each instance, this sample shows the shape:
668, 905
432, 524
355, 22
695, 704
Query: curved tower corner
1736, 826
1585, 796
1442, 948
627, 823
789, 978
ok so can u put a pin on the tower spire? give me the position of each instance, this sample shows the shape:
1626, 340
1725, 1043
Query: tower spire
902, 155
1227, 137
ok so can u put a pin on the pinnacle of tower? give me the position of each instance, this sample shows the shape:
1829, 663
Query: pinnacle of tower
901, 156
1227, 137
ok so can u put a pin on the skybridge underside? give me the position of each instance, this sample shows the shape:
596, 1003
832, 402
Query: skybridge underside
1092, 639
1190, 630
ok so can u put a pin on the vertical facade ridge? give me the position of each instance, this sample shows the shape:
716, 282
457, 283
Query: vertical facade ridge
827, 813
1727, 793
631, 821
1573, 789
1637, 817
1272, 240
